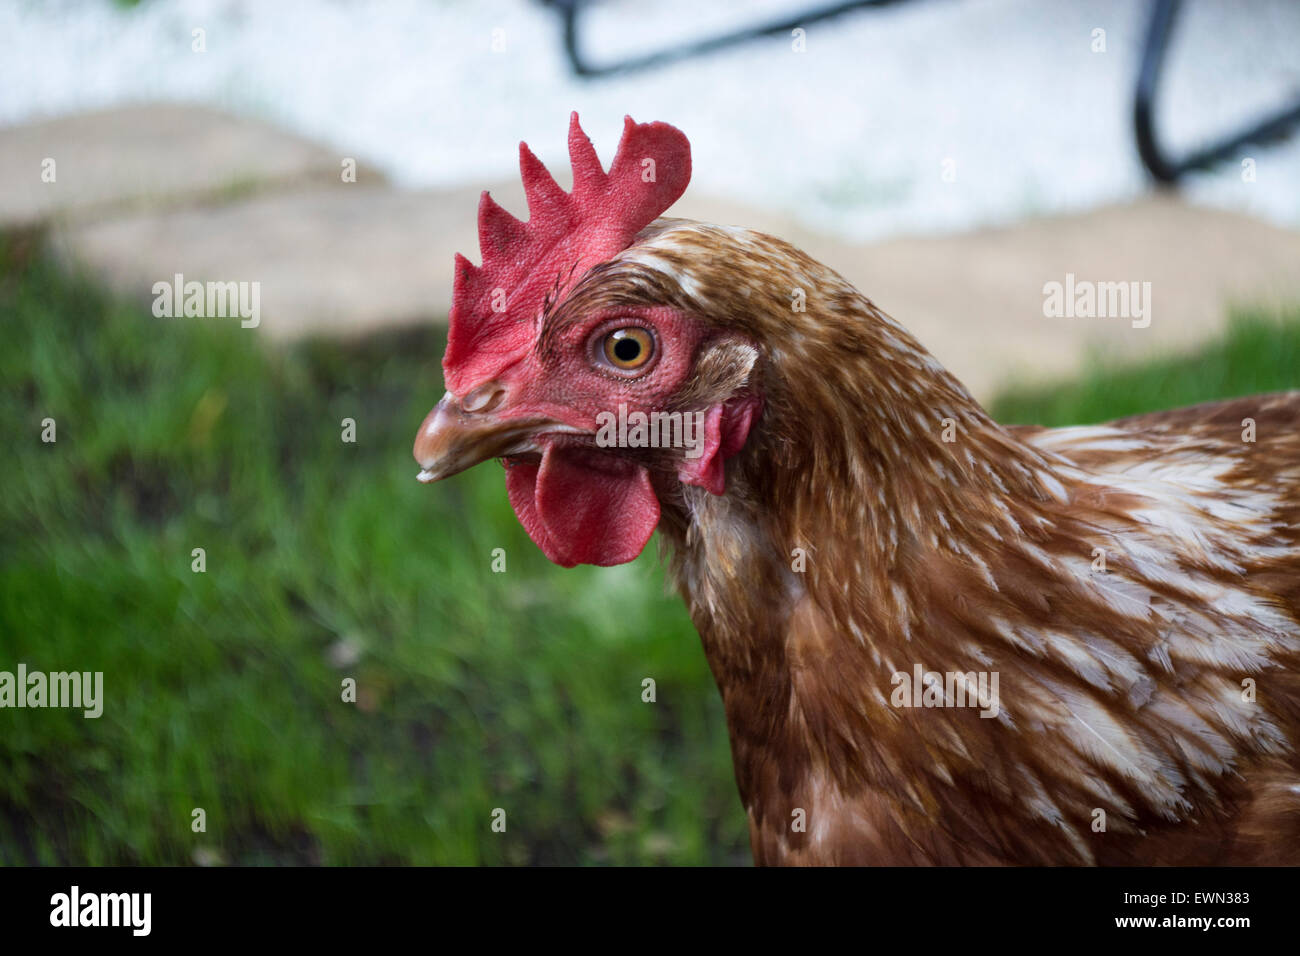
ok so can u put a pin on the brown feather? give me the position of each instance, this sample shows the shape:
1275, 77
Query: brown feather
935, 537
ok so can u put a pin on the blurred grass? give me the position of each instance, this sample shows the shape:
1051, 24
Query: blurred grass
1260, 353
476, 690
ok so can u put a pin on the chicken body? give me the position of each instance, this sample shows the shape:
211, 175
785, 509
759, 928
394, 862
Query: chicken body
1111, 614
1135, 587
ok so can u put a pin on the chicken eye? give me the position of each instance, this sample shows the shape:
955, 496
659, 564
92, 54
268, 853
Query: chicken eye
628, 349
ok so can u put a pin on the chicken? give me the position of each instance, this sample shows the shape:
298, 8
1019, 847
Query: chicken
938, 640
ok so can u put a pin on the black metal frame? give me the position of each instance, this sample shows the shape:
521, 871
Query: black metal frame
1169, 169
1164, 167
568, 10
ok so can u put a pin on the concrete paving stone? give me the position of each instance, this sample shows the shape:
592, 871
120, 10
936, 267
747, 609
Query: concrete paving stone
346, 260
150, 155
976, 300
340, 260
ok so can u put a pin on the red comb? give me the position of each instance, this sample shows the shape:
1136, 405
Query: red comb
495, 306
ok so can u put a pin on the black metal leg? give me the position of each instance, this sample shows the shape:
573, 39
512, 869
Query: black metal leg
568, 10
1162, 166
1166, 168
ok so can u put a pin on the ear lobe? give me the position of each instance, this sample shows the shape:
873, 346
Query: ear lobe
726, 427
724, 369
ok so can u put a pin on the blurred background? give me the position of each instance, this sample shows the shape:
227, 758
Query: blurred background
950, 157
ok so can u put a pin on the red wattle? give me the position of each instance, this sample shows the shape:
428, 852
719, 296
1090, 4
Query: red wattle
584, 507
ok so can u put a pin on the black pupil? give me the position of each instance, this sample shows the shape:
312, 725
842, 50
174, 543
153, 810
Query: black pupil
627, 349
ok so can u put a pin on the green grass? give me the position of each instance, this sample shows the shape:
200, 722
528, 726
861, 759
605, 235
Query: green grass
477, 690
1261, 353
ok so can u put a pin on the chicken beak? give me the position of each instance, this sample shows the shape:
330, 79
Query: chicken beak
458, 434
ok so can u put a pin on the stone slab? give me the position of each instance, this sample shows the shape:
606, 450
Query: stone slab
151, 155
976, 300
347, 259
340, 260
